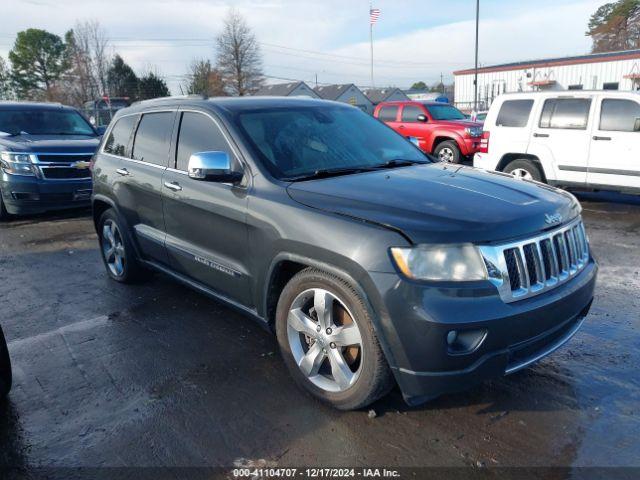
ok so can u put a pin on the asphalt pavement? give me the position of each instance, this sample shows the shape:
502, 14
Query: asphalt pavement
156, 375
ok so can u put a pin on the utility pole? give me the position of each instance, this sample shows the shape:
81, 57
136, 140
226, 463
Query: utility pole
442, 83
475, 79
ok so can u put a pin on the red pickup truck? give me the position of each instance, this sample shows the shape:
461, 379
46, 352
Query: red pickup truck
440, 129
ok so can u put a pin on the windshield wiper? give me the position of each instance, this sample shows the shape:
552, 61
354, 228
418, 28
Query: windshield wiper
398, 162
329, 172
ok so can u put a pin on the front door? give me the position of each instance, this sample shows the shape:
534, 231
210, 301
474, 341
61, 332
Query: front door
562, 132
615, 144
412, 127
206, 221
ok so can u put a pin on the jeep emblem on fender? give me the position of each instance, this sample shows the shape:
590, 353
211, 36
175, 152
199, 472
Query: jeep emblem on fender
553, 219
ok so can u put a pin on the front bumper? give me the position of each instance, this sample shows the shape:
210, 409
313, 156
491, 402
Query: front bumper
29, 195
416, 320
470, 145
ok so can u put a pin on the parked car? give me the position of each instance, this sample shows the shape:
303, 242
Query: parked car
569, 139
99, 112
479, 117
372, 263
441, 129
45, 151
5, 367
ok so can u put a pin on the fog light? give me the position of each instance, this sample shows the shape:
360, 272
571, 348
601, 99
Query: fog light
465, 341
25, 196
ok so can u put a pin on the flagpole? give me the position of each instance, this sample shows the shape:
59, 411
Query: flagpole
371, 42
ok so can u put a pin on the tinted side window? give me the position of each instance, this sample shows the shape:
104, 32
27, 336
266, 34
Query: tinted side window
198, 133
388, 114
565, 113
152, 138
619, 115
514, 113
118, 139
410, 113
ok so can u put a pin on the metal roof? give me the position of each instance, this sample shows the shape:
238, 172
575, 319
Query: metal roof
279, 89
332, 92
377, 95
554, 62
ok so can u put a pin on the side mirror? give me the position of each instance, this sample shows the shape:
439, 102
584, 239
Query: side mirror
636, 125
212, 166
101, 129
422, 118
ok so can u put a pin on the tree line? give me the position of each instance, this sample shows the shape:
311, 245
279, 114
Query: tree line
83, 66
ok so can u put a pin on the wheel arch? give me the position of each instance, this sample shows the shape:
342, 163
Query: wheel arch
438, 139
510, 157
101, 204
285, 265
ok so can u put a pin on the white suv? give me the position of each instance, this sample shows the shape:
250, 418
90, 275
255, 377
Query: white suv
566, 138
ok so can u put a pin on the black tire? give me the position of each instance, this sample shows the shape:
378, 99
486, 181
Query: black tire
4, 215
131, 271
375, 378
448, 151
524, 165
5, 367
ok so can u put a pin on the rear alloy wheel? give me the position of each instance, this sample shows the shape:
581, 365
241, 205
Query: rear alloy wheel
328, 343
524, 169
116, 249
447, 151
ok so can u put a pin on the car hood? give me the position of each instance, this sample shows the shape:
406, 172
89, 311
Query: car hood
50, 143
441, 203
461, 124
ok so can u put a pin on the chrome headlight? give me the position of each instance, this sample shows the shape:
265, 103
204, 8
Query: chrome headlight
457, 263
16, 163
473, 131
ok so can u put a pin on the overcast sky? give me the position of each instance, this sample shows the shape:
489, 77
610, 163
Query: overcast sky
413, 40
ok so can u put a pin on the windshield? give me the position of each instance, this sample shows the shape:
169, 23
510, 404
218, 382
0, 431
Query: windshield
44, 122
298, 141
445, 112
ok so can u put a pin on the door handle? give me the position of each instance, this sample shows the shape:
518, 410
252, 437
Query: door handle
602, 138
173, 186
541, 135
401, 127
122, 171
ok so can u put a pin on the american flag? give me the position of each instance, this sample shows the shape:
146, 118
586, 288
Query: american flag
374, 14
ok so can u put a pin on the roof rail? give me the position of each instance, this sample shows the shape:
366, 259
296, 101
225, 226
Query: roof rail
172, 97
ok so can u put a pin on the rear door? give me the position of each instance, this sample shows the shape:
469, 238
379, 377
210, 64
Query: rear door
510, 128
562, 134
614, 158
140, 190
389, 115
206, 221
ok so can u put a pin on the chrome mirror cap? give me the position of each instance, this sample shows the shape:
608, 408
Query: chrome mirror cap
209, 166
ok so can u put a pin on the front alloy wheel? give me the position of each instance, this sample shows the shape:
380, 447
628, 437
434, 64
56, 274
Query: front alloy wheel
325, 340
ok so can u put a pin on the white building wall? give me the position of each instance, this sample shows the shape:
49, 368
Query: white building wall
592, 76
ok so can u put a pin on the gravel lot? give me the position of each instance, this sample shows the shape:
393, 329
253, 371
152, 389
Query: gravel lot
158, 375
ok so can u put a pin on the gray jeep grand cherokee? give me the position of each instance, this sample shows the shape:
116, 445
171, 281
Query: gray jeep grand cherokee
372, 263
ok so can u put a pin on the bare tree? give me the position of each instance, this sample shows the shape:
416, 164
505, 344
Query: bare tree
88, 59
6, 87
239, 60
204, 79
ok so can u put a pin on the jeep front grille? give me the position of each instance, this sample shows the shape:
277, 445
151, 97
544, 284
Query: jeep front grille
536, 265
